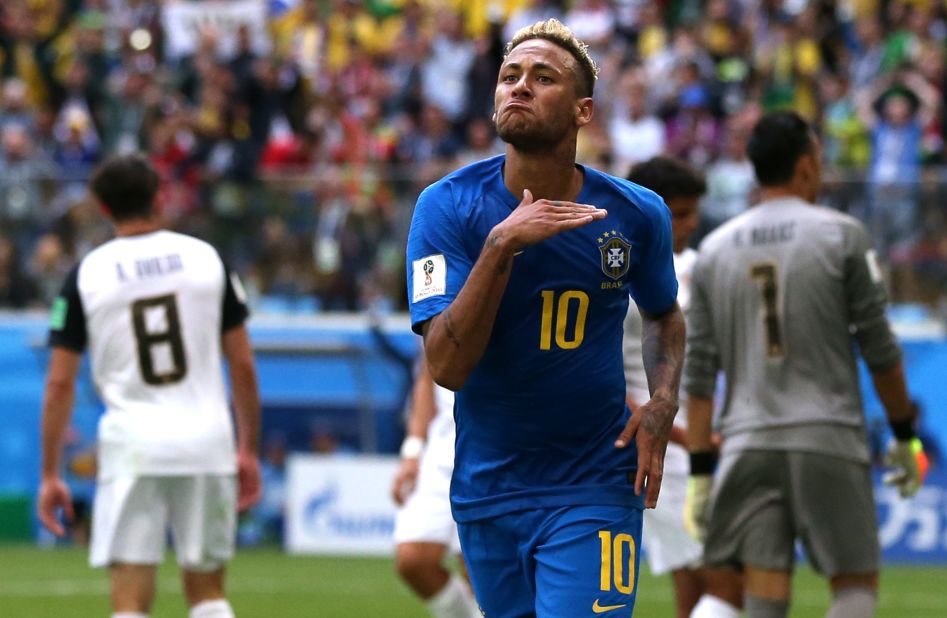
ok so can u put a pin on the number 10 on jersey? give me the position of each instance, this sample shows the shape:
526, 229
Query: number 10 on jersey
557, 314
614, 557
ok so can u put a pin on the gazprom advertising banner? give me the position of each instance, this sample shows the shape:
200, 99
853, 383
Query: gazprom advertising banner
914, 531
340, 505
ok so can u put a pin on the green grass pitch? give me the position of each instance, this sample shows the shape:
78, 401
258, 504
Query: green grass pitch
57, 583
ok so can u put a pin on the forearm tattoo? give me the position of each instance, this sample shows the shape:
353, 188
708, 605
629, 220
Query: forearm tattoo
449, 328
663, 352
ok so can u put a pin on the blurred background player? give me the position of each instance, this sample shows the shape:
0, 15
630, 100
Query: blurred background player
157, 311
669, 546
425, 531
521, 301
777, 295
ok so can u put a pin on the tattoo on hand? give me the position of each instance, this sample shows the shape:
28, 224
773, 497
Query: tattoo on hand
659, 423
449, 328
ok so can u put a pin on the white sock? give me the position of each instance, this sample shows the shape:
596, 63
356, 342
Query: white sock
856, 602
129, 615
218, 608
455, 600
712, 607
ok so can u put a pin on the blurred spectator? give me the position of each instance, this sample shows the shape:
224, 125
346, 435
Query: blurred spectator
635, 134
730, 181
77, 150
592, 21
790, 60
23, 174
325, 441
13, 106
693, 133
340, 111
896, 110
48, 267
123, 119
482, 142
433, 139
444, 73
16, 290
845, 140
530, 12
869, 53
481, 82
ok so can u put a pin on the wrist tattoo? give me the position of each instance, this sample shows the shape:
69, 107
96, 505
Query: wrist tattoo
504, 264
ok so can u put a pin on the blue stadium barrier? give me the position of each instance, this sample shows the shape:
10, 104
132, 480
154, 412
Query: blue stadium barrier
334, 373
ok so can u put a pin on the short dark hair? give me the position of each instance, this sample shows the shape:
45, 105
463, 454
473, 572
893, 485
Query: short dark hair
126, 185
777, 143
668, 177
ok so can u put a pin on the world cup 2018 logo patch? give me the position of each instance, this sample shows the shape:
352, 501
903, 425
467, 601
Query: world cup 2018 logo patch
428, 277
428, 270
616, 254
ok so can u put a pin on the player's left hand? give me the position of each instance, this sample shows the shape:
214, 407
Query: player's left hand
54, 496
908, 465
650, 427
248, 480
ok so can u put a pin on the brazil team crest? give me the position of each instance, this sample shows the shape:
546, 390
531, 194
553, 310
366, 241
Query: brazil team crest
616, 254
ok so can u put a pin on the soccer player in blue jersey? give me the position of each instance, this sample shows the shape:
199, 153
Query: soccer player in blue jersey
519, 274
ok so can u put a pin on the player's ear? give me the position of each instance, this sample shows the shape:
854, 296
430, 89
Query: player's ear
584, 109
805, 167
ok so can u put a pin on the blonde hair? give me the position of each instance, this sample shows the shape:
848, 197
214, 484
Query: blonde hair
556, 32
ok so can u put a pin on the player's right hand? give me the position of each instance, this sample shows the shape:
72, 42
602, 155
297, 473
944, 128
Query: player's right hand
695, 505
249, 481
534, 221
405, 479
53, 496
908, 465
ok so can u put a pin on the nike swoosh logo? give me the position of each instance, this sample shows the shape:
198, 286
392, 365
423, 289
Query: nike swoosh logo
601, 609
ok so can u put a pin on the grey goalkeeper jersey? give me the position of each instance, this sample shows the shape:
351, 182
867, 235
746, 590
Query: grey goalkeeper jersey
781, 297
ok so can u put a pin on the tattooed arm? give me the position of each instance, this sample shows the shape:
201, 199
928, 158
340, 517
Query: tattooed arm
663, 354
455, 339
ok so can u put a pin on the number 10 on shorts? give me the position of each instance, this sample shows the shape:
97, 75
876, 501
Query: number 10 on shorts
615, 557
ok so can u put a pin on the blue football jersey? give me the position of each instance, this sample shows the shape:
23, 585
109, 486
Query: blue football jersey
538, 417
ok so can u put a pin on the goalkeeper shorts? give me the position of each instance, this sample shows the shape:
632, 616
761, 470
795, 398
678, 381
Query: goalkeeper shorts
764, 501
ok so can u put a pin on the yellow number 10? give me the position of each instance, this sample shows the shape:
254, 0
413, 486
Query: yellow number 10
612, 554
562, 306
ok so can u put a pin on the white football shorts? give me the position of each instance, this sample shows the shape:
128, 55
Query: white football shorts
667, 543
425, 516
131, 518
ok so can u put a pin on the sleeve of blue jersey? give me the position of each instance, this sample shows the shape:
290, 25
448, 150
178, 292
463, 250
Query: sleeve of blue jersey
653, 284
436, 231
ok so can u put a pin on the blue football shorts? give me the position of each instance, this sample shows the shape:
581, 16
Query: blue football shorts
565, 562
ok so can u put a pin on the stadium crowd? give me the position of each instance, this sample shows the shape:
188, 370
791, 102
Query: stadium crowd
296, 141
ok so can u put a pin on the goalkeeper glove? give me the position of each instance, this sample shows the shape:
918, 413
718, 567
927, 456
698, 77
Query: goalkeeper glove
909, 466
695, 505
698, 493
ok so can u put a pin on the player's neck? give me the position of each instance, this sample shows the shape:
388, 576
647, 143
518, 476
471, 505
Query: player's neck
550, 175
136, 227
783, 191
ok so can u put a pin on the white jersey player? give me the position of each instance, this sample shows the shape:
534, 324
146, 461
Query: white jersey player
156, 311
669, 546
425, 531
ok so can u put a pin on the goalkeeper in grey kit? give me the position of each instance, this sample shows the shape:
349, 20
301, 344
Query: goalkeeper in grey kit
782, 295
